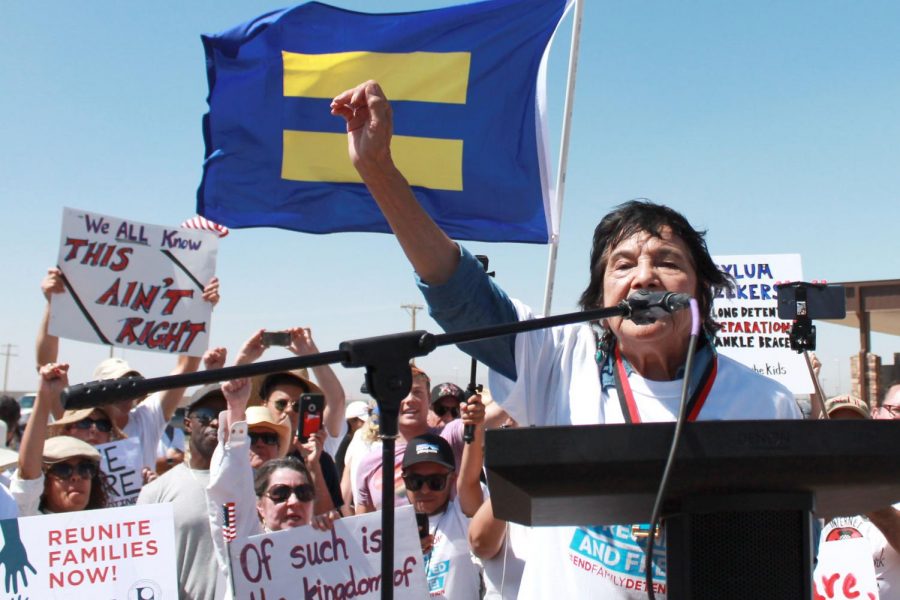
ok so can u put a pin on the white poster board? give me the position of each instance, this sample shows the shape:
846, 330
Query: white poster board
343, 563
121, 462
133, 285
752, 333
845, 571
126, 552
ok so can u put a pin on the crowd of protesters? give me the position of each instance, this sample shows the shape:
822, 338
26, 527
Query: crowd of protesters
242, 441
239, 442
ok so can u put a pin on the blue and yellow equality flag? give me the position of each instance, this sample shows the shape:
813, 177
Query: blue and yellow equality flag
463, 84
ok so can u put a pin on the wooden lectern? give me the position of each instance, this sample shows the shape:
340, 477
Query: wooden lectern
741, 500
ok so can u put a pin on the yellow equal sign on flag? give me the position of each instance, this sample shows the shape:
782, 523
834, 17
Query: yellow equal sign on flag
439, 77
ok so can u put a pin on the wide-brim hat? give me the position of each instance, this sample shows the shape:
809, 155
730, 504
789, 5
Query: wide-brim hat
64, 447
113, 368
8, 458
301, 376
429, 448
73, 416
847, 402
260, 417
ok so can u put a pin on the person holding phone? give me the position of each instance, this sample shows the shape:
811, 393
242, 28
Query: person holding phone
283, 392
279, 495
429, 474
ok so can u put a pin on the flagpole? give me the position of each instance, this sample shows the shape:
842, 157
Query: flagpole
563, 154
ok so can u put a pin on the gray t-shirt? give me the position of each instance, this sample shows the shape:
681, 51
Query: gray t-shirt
185, 488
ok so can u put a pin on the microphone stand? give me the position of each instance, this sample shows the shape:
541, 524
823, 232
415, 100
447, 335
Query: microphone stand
388, 379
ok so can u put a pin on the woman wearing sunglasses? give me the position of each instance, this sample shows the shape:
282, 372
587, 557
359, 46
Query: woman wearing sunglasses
61, 474
94, 426
280, 495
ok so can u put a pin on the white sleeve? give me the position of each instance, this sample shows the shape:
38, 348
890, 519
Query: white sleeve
8, 507
332, 444
147, 422
231, 480
27, 494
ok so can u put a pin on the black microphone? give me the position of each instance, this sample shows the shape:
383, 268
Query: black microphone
646, 307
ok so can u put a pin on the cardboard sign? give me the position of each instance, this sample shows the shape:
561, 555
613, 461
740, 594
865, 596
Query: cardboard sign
343, 563
92, 554
752, 333
845, 571
121, 461
133, 285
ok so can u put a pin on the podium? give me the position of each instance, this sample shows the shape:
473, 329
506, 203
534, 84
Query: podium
741, 500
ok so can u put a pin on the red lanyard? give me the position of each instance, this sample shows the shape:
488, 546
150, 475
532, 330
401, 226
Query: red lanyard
626, 396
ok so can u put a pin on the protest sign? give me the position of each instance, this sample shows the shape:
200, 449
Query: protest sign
133, 285
844, 570
342, 563
124, 553
752, 333
121, 462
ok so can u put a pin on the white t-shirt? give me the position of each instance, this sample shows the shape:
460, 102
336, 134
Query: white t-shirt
147, 422
358, 448
884, 557
450, 568
559, 384
503, 572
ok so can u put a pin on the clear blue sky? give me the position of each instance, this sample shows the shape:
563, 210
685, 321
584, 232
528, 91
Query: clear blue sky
774, 125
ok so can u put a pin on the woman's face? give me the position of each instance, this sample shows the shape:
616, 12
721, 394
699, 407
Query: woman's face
658, 264
286, 510
69, 493
263, 446
94, 429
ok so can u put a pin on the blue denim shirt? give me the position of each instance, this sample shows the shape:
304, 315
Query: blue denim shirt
471, 299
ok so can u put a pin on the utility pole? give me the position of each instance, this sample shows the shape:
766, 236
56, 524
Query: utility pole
412, 309
8, 354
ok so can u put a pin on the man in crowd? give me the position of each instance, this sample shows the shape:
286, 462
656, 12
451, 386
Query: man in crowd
185, 487
445, 401
412, 422
428, 471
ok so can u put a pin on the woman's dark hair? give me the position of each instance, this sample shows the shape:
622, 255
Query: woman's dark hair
261, 479
638, 216
99, 492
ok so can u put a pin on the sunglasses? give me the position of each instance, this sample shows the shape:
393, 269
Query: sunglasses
436, 482
204, 416
64, 470
266, 437
442, 409
281, 405
281, 493
102, 425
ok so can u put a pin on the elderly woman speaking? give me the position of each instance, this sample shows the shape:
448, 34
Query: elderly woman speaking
614, 371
